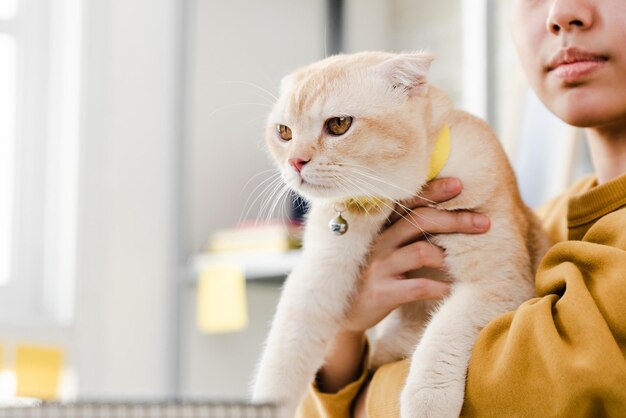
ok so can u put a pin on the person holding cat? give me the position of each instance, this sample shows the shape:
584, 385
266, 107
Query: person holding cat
562, 353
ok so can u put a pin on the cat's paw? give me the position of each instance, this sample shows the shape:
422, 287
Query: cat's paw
429, 402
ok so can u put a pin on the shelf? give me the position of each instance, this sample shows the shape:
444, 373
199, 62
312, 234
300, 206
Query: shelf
256, 265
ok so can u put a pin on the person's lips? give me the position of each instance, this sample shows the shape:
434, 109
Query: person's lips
572, 64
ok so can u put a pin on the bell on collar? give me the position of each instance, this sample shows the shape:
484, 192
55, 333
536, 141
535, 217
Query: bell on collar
338, 225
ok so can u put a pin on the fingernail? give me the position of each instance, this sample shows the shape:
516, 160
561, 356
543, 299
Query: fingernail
480, 221
451, 185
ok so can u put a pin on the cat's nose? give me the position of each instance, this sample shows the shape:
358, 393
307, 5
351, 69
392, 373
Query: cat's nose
297, 163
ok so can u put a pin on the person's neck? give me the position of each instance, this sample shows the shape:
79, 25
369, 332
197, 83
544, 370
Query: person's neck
608, 151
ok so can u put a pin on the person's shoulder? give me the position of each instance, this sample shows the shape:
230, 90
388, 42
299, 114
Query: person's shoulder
553, 214
580, 186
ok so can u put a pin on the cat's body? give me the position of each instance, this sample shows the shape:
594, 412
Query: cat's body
396, 117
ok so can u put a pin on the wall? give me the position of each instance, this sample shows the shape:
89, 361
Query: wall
405, 26
120, 343
237, 49
436, 27
127, 245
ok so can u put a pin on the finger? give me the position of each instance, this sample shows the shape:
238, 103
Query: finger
414, 256
398, 212
436, 191
422, 221
411, 290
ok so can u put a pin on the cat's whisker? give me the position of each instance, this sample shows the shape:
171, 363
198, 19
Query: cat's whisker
273, 198
296, 198
374, 177
293, 199
279, 200
302, 202
265, 195
417, 214
346, 190
256, 119
276, 172
416, 194
360, 183
276, 190
284, 214
403, 216
275, 178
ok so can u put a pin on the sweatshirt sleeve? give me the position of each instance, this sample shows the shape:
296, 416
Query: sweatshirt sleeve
317, 404
560, 354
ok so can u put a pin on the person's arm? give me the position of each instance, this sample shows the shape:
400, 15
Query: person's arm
563, 353
382, 288
343, 362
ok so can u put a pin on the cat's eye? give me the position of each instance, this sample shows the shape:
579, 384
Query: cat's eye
284, 132
339, 125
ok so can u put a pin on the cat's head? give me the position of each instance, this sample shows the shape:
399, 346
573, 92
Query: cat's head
354, 125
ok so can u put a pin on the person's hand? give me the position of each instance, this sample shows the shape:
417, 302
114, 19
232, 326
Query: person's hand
401, 248
383, 285
398, 250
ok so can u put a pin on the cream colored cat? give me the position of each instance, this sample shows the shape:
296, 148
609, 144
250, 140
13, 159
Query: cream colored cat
360, 133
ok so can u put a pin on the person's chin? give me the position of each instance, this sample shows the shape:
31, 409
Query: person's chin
578, 119
579, 109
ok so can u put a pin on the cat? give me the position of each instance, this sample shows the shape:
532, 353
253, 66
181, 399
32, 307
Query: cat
357, 134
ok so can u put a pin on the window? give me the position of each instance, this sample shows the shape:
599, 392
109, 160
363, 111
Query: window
39, 81
8, 72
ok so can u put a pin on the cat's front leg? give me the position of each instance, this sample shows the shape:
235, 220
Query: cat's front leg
311, 309
303, 325
398, 334
435, 386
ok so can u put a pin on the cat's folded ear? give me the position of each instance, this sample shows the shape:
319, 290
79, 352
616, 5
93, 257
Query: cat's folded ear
286, 83
408, 72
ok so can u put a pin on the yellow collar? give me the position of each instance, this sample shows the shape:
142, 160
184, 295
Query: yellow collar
440, 155
438, 159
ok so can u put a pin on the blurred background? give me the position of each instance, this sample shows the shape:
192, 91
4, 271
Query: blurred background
131, 149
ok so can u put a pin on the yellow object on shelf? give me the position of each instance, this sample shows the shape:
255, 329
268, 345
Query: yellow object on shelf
221, 299
255, 238
38, 371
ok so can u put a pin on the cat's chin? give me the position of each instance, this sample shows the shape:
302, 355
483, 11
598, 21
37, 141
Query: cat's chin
317, 192
321, 194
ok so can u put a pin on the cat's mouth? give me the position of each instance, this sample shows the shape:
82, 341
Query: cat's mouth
314, 190
316, 186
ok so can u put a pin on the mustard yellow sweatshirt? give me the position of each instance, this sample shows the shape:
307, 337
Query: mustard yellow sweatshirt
561, 354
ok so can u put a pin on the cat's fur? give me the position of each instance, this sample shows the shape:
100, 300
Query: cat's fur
397, 116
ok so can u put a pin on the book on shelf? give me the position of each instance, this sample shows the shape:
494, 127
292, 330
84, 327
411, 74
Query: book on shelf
256, 237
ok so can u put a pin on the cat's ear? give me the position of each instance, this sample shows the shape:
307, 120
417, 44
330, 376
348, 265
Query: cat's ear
285, 83
408, 72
